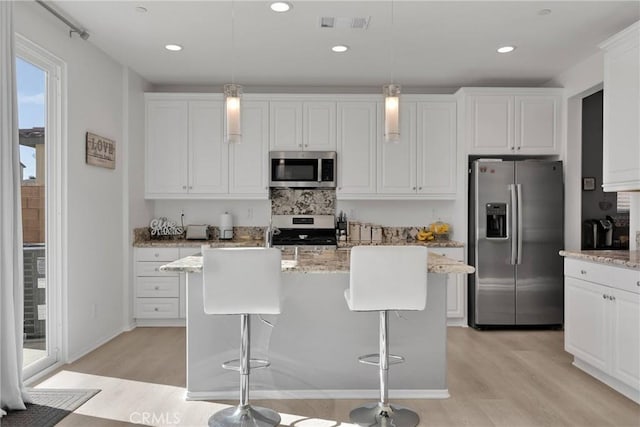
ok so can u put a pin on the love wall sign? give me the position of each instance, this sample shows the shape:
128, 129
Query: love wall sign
101, 151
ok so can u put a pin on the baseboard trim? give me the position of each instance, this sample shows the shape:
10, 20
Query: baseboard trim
164, 323
33, 379
319, 394
612, 382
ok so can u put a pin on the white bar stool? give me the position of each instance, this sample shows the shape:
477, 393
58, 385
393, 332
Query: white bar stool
243, 281
386, 278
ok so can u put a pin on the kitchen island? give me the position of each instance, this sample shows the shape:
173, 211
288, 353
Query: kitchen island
315, 342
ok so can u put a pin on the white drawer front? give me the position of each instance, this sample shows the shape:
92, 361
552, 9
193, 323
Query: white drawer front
156, 308
157, 254
147, 268
157, 287
609, 275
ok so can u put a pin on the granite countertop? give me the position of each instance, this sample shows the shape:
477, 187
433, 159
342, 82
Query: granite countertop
429, 244
183, 243
324, 261
629, 259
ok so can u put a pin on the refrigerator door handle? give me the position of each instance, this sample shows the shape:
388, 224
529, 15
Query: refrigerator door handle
515, 232
519, 220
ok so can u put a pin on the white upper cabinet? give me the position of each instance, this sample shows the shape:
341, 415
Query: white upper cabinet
397, 162
621, 142
187, 157
509, 121
184, 149
358, 132
423, 164
437, 149
207, 150
302, 125
166, 161
249, 159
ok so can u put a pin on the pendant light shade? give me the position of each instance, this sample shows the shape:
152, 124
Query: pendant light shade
232, 95
391, 94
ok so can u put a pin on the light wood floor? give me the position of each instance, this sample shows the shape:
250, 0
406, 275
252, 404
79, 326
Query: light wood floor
496, 378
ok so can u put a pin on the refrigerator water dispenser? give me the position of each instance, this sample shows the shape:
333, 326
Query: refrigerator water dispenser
496, 220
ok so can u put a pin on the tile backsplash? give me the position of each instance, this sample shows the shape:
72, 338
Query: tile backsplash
290, 201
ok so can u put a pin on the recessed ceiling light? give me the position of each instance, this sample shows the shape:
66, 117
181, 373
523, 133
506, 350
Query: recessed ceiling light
280, 6
141, 9
506, 49
173, 47
340, 48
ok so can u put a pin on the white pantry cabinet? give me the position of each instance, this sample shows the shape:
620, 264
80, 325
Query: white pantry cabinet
302, 125
358, 132
186, 156
621, 141
512, 121
602, 323
423, 163
456, 288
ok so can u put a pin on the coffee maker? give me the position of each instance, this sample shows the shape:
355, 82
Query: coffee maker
597, 234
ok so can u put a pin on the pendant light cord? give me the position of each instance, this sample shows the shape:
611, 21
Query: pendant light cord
391, 44
233, 18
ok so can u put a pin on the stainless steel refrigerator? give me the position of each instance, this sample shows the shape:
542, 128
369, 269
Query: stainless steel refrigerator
515, 233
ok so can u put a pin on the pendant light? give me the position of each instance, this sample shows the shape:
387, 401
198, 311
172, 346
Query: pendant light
232, 96
391, 93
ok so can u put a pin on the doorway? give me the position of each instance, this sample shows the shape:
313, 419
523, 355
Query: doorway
39, 88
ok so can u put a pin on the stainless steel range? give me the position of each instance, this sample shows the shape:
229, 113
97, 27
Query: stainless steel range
303, 230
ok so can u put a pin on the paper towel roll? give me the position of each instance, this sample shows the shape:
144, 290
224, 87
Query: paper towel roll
226, 226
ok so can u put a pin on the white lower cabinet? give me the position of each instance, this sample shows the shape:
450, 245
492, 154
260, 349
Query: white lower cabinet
456, 288
159, 295
602, 323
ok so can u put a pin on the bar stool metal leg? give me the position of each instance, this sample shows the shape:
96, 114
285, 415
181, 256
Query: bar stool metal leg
383, 413
245, 415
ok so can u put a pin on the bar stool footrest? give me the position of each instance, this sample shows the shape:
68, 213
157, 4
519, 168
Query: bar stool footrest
374, 359
234, 364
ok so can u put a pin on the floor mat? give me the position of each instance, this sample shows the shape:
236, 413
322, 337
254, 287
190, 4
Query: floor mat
48, 408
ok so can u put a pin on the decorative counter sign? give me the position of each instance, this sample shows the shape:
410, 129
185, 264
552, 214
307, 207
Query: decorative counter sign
101, 151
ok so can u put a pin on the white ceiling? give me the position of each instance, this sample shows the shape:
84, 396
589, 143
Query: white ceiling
437, 44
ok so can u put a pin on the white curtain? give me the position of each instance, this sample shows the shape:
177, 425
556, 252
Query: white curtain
12, 394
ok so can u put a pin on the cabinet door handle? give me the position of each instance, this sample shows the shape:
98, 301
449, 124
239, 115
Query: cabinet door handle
583, 271
156, 255
612, 298
157, 288
184, 187
300, 145
513, 148
517, 148
419, 188
157, 269
638, 283
155, 308
191, 187
604, 296
414, 188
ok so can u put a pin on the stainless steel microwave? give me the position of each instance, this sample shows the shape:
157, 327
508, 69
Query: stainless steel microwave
302, 169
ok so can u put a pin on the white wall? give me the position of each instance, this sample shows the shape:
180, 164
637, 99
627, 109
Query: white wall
137, 211
94, 202
579, 81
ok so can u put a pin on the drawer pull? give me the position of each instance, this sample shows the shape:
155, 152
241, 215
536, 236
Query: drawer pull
157, 288
157, 269
156, 255
583, 271
155, 308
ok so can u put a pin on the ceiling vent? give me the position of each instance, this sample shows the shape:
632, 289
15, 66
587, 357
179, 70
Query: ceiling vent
357, 23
